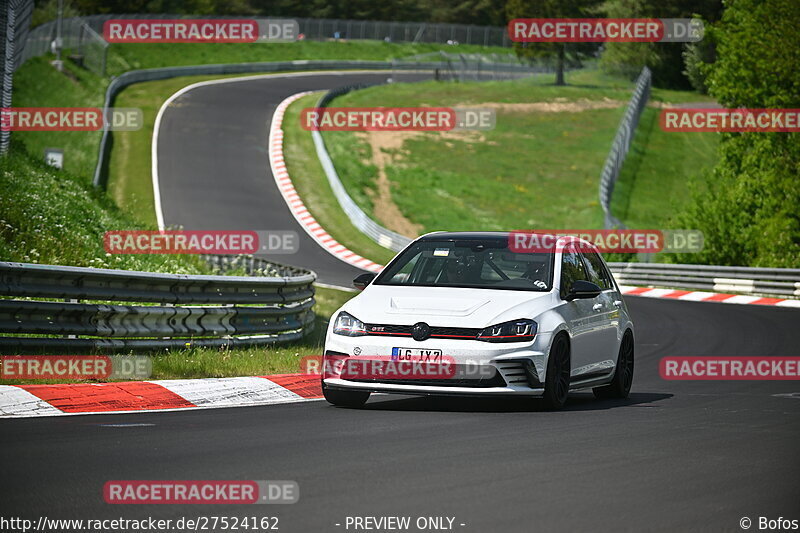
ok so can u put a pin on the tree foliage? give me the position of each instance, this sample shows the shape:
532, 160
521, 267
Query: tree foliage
664, 59
750, 209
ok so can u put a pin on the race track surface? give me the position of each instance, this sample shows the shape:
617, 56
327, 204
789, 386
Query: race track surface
213, 168
676, 456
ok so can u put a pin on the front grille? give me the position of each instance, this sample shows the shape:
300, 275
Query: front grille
393, 330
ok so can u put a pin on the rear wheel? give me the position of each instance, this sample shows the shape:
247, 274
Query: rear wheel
556, 383
620, 386
345, 398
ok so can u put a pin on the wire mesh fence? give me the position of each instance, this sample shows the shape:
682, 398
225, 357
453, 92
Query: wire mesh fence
79, 38
15, 16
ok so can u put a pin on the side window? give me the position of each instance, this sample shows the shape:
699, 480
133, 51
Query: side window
596, 271
572, 270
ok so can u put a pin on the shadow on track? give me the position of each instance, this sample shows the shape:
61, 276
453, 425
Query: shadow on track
576, 402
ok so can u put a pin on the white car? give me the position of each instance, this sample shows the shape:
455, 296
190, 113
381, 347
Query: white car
499, 321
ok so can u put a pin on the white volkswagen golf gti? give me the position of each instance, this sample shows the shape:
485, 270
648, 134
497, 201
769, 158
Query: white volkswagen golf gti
471, 314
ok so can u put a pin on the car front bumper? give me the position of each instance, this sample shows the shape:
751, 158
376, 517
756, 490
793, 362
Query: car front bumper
521, 366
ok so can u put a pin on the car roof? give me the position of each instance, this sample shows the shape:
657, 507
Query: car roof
490, 235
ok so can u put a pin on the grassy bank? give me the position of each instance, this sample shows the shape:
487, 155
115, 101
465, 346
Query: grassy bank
54, 217
124, 57
653, 184
313, 187
539, 167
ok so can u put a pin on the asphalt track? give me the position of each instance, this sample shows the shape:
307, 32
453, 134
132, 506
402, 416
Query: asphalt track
213, 168
675, 456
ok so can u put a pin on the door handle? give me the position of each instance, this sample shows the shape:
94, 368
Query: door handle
618, 303
597, 307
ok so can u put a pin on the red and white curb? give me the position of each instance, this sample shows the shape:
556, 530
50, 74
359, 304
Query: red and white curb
19, 401
701, 296
296, 206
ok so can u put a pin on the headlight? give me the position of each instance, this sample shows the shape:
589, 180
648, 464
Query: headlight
348, 325
514, 331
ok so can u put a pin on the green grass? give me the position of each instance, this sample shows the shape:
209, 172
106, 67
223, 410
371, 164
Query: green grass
124, 57
38, 84
653, 184
536, 169
55, 217
312, 185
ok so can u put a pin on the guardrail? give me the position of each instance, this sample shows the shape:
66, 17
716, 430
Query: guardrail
137, 76
621, 145
385, 237
770, 282
182, 310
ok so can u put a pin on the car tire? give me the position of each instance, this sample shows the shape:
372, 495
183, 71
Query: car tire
559, 366
345, 398
620, 386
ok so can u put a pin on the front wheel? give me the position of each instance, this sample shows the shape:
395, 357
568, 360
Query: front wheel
620, 386
345, 398
556, 383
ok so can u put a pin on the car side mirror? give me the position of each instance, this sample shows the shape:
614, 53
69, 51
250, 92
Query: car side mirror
583, 289
363, 280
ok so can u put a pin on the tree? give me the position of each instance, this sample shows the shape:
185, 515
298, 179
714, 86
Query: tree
750, 209
549, 9
664, 59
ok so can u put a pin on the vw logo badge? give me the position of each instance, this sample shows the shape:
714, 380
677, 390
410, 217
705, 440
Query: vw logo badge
421, 331
357, 350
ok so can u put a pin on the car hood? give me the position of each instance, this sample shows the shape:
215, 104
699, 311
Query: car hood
445, 306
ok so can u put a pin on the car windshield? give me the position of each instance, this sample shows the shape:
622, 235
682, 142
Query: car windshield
480, 264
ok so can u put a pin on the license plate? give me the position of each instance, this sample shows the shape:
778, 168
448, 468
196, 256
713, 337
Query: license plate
421, 355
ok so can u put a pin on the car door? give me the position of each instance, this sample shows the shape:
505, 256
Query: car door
581, 315
606, 313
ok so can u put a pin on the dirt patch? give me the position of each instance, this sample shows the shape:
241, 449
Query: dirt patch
558, 105
385, 145
387, 150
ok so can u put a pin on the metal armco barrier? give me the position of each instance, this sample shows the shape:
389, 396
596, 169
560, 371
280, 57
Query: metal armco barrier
137, 76
621, 145
775, 282
183, 310
385, 237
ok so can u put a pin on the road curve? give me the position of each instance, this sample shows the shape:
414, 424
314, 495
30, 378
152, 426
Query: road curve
676, 456
213, 166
